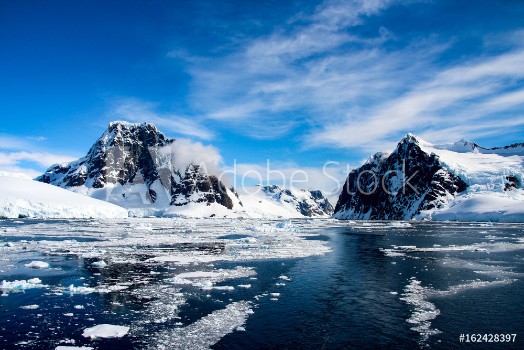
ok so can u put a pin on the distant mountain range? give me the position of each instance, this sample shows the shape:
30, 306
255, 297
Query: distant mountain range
137, 168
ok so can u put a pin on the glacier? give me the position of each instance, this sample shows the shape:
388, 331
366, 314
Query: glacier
21, 197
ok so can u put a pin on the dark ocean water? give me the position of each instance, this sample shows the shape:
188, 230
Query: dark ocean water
377, 289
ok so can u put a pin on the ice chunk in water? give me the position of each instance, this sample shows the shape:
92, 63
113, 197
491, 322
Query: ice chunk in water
105, 331
37, 265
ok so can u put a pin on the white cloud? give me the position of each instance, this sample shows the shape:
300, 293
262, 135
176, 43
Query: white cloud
184, 152
329, 179
37, 138
273, 83
9, 142
351, 91
139, 111
464, 99
29, 162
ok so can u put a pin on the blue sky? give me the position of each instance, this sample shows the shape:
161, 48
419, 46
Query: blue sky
298, 82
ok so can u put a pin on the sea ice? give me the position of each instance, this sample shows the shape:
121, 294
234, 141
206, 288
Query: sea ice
99, 264
21, 284
205, 332
423, 311
37, 265
105, 331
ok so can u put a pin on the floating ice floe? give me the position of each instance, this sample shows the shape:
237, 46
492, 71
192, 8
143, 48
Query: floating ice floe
30, 307
424, 312
61, 347
37, 265
105, 331
80, 290
399, 224
72, 289
99, 264
205, 332
21, 284
206, 279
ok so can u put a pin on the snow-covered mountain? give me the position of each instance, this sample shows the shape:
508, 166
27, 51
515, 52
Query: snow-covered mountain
459, 181
465, 146
21, 197
135, 166
276, 202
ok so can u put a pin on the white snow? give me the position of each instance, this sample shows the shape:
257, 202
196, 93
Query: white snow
133, 198
21, 284
80, 290
424, 312
206, 280
485, 172
105, 331
259, 204
199, 210
37, 265
205, 332
61, 347
17, 175
484, 206
99, 264
21, 197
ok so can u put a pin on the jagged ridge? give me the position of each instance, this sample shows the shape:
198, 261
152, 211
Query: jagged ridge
398, 186
421, 180
129, 160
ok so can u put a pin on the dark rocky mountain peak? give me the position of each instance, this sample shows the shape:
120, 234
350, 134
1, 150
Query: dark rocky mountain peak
137, 159
397, 186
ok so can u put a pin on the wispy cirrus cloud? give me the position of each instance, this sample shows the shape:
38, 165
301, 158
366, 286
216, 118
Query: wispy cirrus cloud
343, 89
273, 83
43, 159
464, 100
135, 110
21, 155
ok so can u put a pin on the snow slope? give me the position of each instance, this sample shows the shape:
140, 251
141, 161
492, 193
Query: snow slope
269, 202
483, 206
276, 202
486, 172
21, 197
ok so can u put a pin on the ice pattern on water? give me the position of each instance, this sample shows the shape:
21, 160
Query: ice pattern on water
188, 247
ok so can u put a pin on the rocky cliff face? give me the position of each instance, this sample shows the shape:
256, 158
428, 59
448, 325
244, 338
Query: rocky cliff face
398, 186
132, 165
